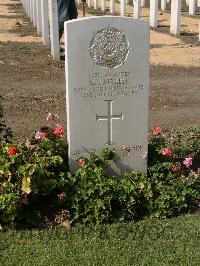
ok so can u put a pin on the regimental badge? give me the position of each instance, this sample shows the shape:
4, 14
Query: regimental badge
109, 47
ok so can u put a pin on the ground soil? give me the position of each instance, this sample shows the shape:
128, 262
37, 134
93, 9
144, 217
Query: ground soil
32, 84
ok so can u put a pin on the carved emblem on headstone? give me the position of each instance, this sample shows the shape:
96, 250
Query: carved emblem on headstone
109, 47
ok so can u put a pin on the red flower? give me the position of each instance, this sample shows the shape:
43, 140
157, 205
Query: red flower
156, 131
167, 152
81, 162
58, 130
13, 150
176, 168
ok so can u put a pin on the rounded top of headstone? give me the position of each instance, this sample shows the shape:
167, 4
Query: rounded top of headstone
109, 47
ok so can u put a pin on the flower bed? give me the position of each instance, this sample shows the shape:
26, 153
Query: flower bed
37, 188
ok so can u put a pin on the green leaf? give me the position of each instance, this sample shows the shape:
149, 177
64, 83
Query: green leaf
26, 185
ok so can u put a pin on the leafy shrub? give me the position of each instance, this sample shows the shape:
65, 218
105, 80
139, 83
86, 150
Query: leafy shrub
35, 182
31, 171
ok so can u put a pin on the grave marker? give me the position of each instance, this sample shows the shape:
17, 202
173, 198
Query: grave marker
107, 84
45, 22
154, 13
54, 34
175, 22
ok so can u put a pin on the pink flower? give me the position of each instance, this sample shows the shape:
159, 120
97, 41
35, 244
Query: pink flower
145, 156
156, 131
51, 116
40, 135
188, 161
58, 130
176, 168
81, 162
126, 148
167, 152
62, 195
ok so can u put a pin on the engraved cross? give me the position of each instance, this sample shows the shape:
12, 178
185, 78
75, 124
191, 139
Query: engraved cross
109, 117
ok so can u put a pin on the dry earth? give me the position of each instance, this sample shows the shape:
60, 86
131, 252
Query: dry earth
32, 84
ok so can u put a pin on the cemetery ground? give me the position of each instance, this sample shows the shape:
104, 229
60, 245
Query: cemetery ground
32, 84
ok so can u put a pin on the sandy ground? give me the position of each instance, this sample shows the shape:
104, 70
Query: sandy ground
32, 84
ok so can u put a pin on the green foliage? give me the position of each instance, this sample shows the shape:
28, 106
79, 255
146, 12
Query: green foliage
29, 172
36, 185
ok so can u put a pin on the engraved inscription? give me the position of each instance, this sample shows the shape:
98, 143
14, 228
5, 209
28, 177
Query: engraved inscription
109, 84
109, 47
85, 151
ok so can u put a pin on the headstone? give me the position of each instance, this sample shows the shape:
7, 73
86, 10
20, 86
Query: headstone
45, 22
154, 13
175, 23
103, 6
192, 6
34, 13
163, 4
96, 5
123, 8
54, 34
112, 7
107, 84
143, 3
89, 3
137, 7
39, 17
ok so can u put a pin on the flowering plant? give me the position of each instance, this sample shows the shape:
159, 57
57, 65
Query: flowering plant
34, 178
32, 170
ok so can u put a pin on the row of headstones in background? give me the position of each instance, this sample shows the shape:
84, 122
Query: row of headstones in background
44, 15
44, 12
138, 4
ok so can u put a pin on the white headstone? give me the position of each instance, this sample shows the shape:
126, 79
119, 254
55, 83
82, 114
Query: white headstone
123, 8
154, 13
103, 6
54, 33
107, 84
192, 6
143, 3
45, 22
163, 4
34, 13
89, 3
175, 23
39, 17
112, 7
137, 7
96, 5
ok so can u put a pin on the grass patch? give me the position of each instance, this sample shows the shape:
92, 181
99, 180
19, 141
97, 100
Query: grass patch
153, 242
